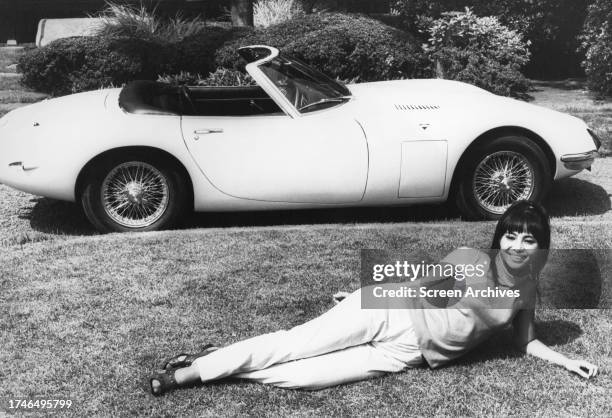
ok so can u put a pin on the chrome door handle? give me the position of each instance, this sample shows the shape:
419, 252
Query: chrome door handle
207, 131
199, 132
23, 166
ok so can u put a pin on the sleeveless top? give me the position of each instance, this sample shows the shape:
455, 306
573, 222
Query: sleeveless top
447, 333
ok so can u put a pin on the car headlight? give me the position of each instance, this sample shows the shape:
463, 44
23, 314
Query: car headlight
596, 139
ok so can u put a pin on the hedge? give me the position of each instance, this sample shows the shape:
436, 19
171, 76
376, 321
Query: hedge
349, 47
77, 64
345, 46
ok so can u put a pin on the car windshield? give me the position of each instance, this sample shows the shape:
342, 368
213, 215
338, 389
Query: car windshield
306, 88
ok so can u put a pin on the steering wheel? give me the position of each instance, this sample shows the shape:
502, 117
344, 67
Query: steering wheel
186, 100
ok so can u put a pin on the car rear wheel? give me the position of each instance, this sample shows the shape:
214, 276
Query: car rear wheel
134, 194
504, 170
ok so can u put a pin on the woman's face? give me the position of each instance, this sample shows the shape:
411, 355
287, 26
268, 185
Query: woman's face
518, 250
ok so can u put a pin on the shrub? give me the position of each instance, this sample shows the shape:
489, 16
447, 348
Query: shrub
479, 50
416, 15
132, 44
221, 77
552, 26
196, 53
77, 64
84, 63
124, 20
271, 12
180, 79
341, 45
226, 77
344, 46
597, 41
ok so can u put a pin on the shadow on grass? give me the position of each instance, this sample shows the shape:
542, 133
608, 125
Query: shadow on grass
55, 216
552, 333
571, 197
418, 213
572, 279
568, 197
557, 332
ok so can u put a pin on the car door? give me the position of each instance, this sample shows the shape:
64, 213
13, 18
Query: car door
320, 158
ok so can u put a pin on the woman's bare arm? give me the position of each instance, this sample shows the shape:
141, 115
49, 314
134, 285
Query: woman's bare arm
525, 339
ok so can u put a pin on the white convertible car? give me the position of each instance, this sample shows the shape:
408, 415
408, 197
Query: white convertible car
138, 158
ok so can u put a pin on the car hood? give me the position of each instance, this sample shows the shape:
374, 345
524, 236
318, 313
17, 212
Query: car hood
426, 91
441, 98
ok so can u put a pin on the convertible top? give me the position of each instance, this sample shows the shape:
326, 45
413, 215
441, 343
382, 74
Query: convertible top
151, 98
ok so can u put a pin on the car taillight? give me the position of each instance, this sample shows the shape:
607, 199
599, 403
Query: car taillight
595, 138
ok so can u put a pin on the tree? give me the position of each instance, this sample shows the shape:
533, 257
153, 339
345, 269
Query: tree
242, 12
597, 42
552, 27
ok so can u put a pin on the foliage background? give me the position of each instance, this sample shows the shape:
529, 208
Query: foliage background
479, 51
552, 27
533, 38
597, 42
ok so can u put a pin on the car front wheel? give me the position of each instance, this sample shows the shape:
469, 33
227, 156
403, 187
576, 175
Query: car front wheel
504, 170
134, 194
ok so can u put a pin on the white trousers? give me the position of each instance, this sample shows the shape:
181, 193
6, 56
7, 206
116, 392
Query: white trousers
345, 344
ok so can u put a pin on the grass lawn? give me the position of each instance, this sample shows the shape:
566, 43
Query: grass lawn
12, 93
88, 317
8, 59
571, 96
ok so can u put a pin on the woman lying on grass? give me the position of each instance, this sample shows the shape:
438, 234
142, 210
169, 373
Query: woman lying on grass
349, 343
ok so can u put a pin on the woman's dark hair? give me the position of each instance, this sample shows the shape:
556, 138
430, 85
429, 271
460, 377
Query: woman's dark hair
525, 216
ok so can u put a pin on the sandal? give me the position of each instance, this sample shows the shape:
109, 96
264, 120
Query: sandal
185, 359
166, 382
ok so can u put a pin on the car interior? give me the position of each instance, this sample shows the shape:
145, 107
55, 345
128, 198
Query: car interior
153, 98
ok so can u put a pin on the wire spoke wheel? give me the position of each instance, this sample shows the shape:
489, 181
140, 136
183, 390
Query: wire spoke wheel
135, 194
501, 179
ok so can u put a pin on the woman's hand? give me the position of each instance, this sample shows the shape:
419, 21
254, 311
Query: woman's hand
581, 367
525, 338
